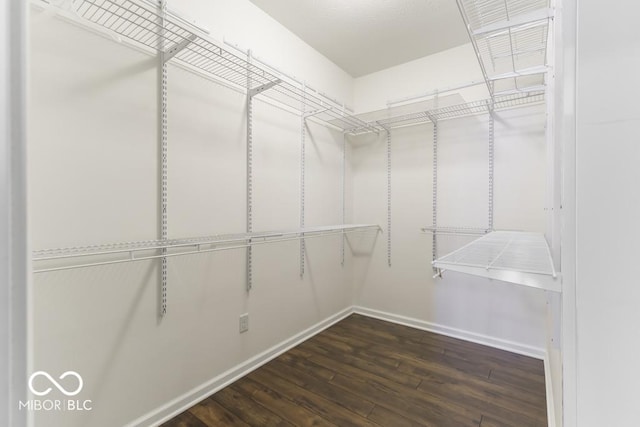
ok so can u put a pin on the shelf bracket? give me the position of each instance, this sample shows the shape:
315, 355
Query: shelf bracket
303, 135
166, 56
343, 193
249, 178
388, 130
256, 90
163, 160
316, 112
434, 195
491, 165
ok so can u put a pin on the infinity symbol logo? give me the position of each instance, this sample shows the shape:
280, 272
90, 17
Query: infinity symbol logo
55, 383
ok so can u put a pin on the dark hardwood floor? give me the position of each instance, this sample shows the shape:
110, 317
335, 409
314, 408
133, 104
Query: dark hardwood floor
366, 372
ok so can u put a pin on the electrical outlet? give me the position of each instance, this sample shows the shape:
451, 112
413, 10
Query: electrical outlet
244, 322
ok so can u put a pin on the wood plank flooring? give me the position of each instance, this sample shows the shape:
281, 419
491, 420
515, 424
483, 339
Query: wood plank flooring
366, 372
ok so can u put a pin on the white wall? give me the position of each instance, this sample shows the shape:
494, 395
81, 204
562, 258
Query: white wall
93, 159
608, 208
14, 255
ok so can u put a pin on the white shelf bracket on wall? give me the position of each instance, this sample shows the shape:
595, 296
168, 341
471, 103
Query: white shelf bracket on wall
343, 192
434, 192
164, 154
303, 135
491, 156
389, 196
256, 90
173, 51
388, 131
249, 176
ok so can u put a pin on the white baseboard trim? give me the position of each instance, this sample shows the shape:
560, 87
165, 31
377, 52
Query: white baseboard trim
551, 411
514, 347
187, 400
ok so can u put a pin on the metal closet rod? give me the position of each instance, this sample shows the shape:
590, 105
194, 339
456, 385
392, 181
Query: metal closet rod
245, 241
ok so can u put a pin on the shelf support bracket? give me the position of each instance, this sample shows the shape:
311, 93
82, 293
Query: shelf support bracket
166, 56
343, 195
256, 90
163, 170
491, 165
434, 194
315, 112
249, 178
303, 135
388, 130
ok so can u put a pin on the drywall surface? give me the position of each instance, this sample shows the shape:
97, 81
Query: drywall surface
94, 179
608, 208
15, 279
243, 23
502, 311
453, 67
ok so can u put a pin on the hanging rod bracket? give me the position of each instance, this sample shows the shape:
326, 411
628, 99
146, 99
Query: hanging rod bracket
256, 90
166, 56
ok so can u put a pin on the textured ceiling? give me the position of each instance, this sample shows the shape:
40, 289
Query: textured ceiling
364, 36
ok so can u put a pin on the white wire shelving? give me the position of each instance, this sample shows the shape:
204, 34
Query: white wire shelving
516, 257
144, 25
90, 256
510, 39
467, 109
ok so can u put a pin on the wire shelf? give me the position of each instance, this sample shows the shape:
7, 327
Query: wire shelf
512, 256
504, 49
485, 106
143, 25
509, 36
115, 253
482, 13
